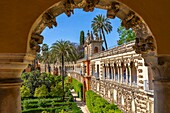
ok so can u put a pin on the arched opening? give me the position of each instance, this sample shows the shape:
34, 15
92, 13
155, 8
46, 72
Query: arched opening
38, 27
116, 72
95, 50
133, 73
123, 72
128, 73
129, 20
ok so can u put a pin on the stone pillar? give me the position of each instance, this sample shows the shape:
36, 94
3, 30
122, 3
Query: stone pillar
10, 99
126, 75
130, 76
11, 67
121, 75
114, 73
161, 68
118, 73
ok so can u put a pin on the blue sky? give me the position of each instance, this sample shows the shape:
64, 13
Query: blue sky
69, 28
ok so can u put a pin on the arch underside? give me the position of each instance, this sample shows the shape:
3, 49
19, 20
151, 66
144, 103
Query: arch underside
145, 42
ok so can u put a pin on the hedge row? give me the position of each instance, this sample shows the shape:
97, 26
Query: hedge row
78, 87
50, 105
97, 104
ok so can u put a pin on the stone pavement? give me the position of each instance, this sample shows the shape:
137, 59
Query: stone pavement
80, 103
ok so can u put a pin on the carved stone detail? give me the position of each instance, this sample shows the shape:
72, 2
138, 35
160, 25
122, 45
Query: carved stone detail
143, 46
49, 19
113, 10
140, 64
90, 4
140, 70
140, 76
131, 20
69, 7
35, 40
160, 67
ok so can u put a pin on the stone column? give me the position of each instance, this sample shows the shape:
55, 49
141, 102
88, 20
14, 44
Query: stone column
162, 96
10, 99
126, 75
114, 73
130, 76
121, 75
161, 68
11, 67
118, 73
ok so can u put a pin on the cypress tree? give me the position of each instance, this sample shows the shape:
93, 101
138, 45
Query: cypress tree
81, 38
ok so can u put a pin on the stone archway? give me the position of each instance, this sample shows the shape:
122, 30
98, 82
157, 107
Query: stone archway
144, 43
130, 19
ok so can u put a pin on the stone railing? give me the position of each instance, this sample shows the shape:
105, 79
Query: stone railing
128, 98
116, 50
76, 75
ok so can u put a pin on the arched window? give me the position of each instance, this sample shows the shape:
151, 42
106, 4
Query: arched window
133, 73
116, 72
123, 72
96, 50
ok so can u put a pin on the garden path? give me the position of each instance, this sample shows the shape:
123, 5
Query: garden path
80, 103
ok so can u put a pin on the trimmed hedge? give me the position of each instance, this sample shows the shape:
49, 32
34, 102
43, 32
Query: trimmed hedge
96, 104
78, 87
50, 105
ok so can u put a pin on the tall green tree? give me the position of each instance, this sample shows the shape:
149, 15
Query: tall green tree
45, 54
64, 51
81, 38
125, 35
101, 24
80, 48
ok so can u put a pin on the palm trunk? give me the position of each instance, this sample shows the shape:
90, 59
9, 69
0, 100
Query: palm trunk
104, 39
63, 75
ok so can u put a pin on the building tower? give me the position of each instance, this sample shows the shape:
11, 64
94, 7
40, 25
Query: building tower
92, 45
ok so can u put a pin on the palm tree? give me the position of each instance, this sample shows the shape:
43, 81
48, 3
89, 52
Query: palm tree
64, 51
101, 24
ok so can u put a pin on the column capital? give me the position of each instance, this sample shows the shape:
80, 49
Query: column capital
12, 64
160, 67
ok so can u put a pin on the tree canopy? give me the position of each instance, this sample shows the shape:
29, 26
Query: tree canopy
101, 24
125, 35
